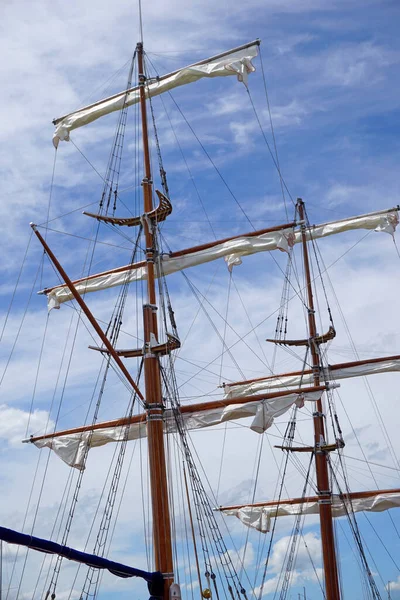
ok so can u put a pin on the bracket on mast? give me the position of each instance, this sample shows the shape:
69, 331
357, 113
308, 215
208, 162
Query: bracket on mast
160, 213
318, 414
172, 343
327, 448
320, 339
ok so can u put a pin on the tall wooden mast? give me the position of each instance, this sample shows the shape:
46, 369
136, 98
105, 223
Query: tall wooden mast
321, 456
154, 401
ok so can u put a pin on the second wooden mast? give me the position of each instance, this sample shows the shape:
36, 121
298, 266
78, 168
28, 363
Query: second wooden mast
154, 401
321, 456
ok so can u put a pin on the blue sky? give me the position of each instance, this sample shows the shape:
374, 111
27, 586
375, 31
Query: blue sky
332, 72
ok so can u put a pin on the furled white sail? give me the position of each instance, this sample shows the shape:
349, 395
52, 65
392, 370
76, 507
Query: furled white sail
71, 448
236, 62
332, 373
259, 517
232, 250
385, 220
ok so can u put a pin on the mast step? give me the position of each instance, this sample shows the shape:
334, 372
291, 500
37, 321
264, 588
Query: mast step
160, 213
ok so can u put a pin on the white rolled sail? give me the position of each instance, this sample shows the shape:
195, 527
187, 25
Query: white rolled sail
232, 250
331, 373
259, 517
236, 62
71, 448
385, 220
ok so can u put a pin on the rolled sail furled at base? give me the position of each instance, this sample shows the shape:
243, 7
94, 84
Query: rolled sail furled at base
232, 250
235, 62
71, 448
360, 368
259, 517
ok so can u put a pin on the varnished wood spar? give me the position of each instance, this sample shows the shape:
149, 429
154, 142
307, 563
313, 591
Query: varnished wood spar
350, 496
162, 541
87, 312
104, 425
184, 410
321, 458
178, 253
332, 368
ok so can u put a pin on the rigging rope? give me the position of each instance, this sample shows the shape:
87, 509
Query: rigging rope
289, 436
273, 135
113, 330
295, 540
192, 179
49, 204
110, 190
20, 325
208, 527
37, 375
274, 160
91, 583
348, 507
16, 286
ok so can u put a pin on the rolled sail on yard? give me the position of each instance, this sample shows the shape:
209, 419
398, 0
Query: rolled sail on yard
235, 62
72, 447
232, 250
259, 517
360, 368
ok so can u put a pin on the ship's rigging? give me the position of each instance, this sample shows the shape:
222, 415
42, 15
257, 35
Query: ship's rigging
159, 339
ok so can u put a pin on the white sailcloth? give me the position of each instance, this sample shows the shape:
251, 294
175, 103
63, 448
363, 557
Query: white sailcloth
71, 448
259, 517
231, 250
332, 373
237, 62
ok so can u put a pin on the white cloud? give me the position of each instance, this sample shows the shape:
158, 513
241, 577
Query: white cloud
291, 114
352, 64
289, 44
359, 64
14, 423
244, 132
306, 569
243, 558
296, 579
309, 546
394, 585
339, 194
234, 103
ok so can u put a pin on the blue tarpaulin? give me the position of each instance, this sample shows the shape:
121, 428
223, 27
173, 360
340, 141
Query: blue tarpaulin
35, 543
